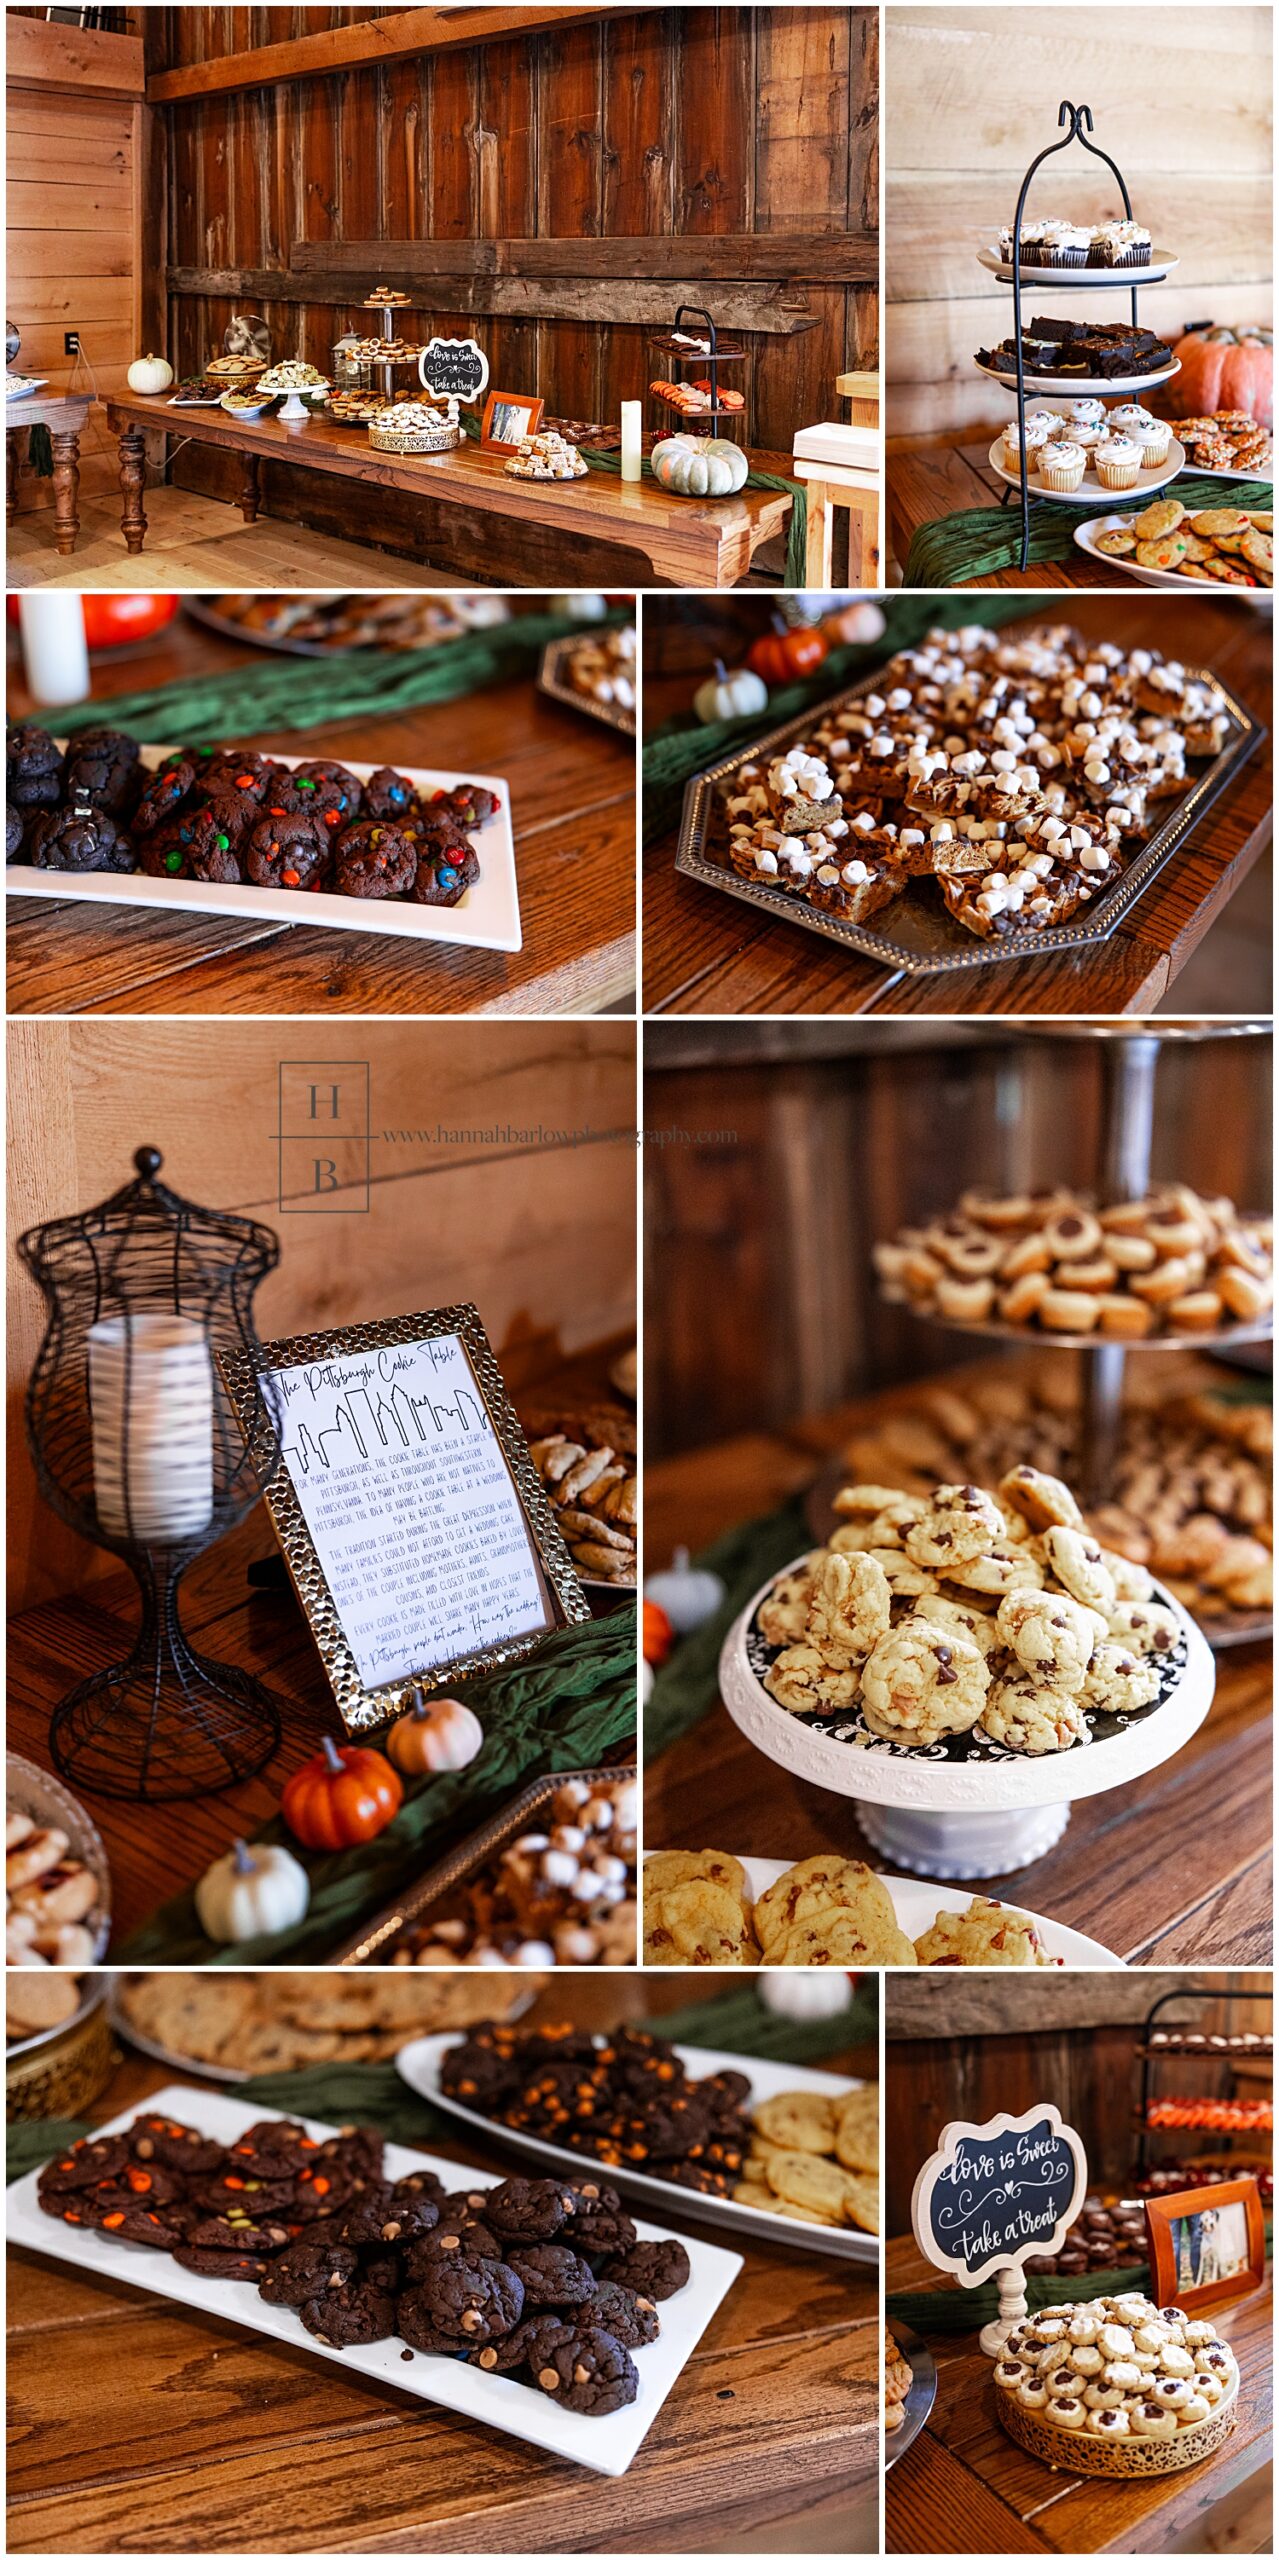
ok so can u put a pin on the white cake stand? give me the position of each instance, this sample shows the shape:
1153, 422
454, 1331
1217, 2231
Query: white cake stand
954, 1818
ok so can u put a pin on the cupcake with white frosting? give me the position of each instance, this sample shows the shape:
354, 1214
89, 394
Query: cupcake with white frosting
1062, 467
1117, 462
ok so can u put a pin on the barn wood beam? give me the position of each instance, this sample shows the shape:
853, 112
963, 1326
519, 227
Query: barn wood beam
738, 257
770, 310
390, 39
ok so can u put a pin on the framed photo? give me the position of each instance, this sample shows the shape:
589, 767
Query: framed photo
1207, 2244
414, 1524
508, 415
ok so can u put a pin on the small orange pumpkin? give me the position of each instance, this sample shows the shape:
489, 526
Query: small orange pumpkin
341, 1798
659, 1634
781, 654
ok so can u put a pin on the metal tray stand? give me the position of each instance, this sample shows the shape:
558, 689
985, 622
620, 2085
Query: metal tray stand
919, 935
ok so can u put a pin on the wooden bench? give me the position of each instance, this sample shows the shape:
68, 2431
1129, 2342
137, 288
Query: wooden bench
687, 542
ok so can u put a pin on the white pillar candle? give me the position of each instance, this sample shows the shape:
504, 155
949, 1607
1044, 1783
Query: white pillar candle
53, 645
152, 1377
632, 440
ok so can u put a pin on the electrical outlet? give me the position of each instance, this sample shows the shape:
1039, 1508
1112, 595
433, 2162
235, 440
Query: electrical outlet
71, 343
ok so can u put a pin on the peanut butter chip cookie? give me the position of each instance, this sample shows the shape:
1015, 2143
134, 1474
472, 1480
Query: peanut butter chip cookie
850, 1609
1024, 1715
959, 1523
1052, 1636
806, 1686
829, 1910
1043, 1501
923, 1682
1119, 1680
985, 1934
783, 1617
961, 1620
1145, 1625
1078, 1563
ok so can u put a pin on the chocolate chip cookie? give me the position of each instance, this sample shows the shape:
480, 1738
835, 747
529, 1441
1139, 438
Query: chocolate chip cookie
461, 2305
528, 2209
655, 2268
588, 2371
306, 2269
551, 2275
357, 2314
629, 2317
78, 839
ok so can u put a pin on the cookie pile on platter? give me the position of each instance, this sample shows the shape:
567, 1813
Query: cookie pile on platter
541, 2280
624, 2099
283, 2021
815, 2159
227, 814
698, 1909
932, 1618
1171, 1262
1217, 546
1118, 2366
1017, 772
587, 1463
1191, 1497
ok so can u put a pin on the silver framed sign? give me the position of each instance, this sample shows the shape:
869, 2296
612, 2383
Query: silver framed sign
413, 1522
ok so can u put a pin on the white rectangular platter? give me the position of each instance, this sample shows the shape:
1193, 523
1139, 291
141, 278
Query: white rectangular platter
488, 918
601, 2444
419, 2064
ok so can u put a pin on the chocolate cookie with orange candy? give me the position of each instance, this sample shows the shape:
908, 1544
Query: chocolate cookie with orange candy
288, 852
374, 859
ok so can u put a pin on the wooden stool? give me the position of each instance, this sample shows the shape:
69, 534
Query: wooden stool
832, 484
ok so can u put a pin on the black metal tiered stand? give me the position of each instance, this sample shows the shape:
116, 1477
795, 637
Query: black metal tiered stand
167, 1722
1079, 120
705, 422
1151, 2060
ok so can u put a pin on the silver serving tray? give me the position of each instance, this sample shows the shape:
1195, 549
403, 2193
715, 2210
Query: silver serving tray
551, 679
916, 934
371, 1943
920, 2397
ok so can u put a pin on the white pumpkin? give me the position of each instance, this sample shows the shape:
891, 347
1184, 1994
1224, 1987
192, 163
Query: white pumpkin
688, 1593
251, 1893
431, 1738
150, 373
730, 697
700, 466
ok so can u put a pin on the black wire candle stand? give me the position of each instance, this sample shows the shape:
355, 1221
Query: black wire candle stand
168, 1721
1079, 120
710, 421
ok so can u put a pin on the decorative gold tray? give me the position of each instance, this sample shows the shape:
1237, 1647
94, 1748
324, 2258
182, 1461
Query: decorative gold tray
415, 439
64, 2073
1117, 2457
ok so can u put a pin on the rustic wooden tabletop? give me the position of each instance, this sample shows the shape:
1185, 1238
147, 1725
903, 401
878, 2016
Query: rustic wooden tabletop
141, 2426
963, 2485
707, 952
1120, 1873
927, 482
573, 794
157, 1850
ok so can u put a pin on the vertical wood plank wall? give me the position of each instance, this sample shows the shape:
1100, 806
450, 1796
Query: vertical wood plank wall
682, 121
1180, 98
72, 254
540, 1236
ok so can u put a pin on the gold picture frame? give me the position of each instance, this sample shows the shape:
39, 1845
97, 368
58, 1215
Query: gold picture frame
362, 1708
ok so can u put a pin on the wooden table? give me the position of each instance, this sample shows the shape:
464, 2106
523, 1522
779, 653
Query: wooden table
156, 1851
142, 2426
1120, 1873
704, 543
925, 483
965, 2486
707, 952
64, 415
573, 794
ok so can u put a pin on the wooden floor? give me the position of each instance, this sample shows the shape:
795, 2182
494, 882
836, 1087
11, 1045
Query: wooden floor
202, 543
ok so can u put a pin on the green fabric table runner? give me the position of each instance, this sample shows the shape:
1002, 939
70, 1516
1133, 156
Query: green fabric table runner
270, 693
565, 1707
687, 1686
684, 745
374, 2093
978, 542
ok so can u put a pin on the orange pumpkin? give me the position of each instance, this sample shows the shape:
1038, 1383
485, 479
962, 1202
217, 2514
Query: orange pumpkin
659, 1634
341, 1798
783, 654
1224, 369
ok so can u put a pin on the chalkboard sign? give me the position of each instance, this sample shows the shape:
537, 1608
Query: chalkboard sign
454, 369
999, 2192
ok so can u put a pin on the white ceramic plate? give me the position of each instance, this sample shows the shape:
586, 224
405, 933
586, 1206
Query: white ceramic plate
19, 386
1079, 386
1161, 264
1086, 540
488, 918
419, 2064
1090, 492
917, 1902
602, 2444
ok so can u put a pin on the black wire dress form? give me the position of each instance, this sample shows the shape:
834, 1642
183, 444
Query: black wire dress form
1079, 121
167, 1722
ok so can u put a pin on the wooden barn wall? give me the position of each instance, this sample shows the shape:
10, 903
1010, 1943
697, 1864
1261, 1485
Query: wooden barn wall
675, 122
1180, 98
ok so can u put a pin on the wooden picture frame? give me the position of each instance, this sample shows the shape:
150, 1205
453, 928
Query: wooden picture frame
379, 1418
1177, 2232
497, 409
